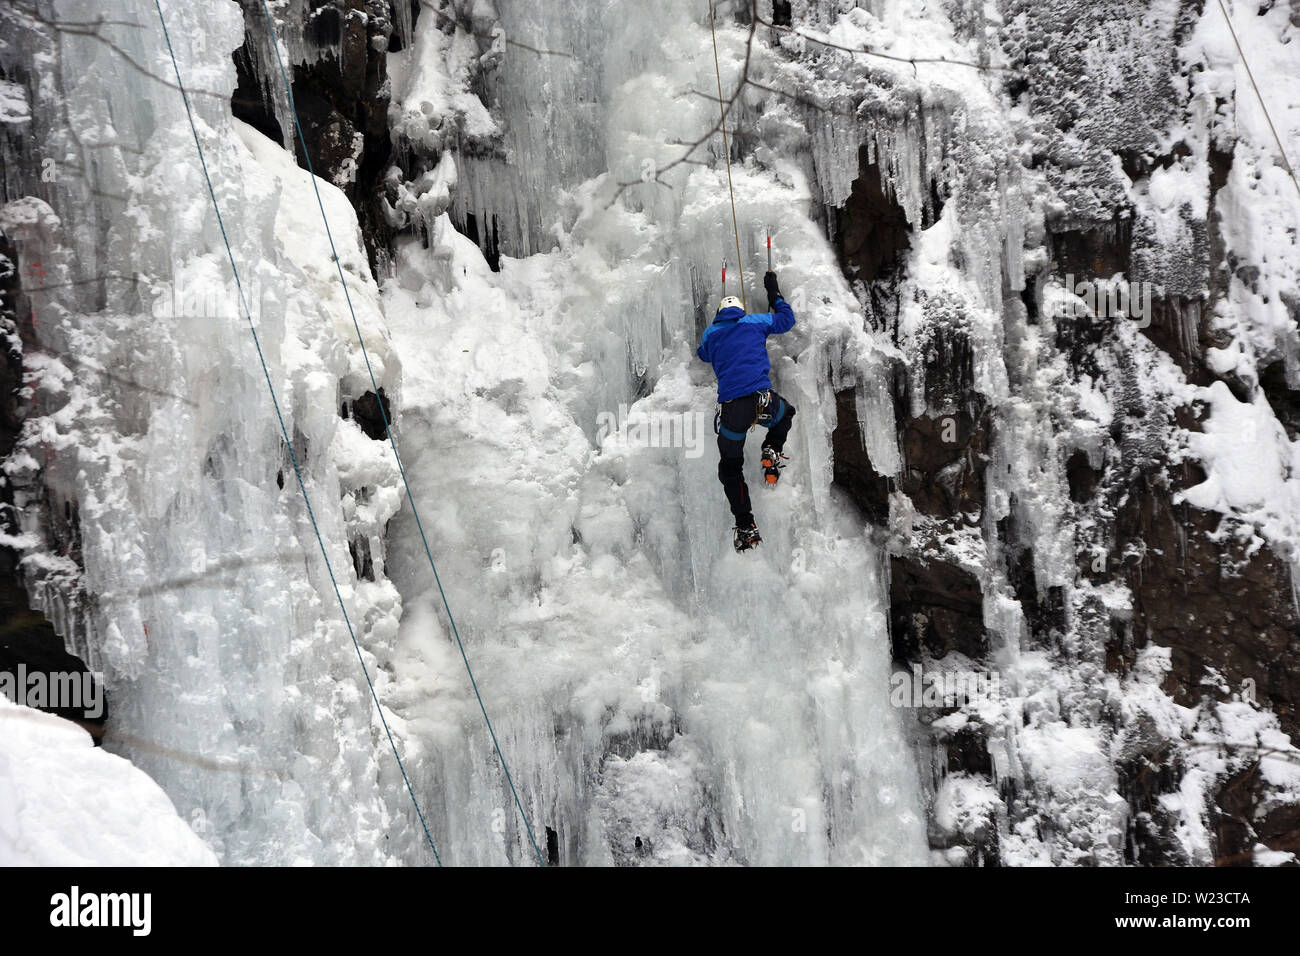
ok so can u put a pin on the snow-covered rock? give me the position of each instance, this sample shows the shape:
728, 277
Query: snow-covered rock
64, 802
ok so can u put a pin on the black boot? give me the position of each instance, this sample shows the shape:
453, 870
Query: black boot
747, 536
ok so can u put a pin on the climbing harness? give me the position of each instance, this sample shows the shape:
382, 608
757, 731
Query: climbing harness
767, 414
764, 415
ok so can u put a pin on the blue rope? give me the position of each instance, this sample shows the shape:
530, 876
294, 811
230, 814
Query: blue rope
288, 88
288, 443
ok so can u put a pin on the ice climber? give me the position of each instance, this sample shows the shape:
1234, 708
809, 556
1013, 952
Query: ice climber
735, 344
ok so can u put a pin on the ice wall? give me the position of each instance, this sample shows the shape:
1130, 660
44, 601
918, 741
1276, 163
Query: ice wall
660, 699
195, 582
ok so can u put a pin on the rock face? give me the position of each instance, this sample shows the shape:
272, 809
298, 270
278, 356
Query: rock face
370, 413
28, 643
935, 610
853, 470
1095, 561
1226, 613
341, 90
870, 228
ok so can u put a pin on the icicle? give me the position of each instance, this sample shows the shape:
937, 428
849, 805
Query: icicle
1295, 585
403, 22
876, 425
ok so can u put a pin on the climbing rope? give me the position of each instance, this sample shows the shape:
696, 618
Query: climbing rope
338, 262
1259, 96
284, 431
726, 152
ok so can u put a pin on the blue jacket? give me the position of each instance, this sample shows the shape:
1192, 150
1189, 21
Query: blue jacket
736, 346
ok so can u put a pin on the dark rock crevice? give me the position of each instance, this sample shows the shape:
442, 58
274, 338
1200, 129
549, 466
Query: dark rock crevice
1282, 397
852, 469
1221, 609
370, 412
1244, 818
935, 608
871, 231
29, 645
342, 93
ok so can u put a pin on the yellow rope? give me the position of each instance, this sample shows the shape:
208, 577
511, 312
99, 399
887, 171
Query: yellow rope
726, 152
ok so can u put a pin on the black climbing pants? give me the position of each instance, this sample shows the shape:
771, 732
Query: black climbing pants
734, 421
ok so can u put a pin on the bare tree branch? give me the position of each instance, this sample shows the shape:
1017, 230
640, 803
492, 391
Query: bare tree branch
866, 51
494, 37
96, 369
746, 80
91, 29
708, 134
36, 290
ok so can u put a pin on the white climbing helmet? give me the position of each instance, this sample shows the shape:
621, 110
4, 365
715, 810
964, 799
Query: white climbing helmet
730, 302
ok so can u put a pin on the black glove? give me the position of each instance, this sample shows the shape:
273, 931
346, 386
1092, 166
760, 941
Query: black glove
773, 290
